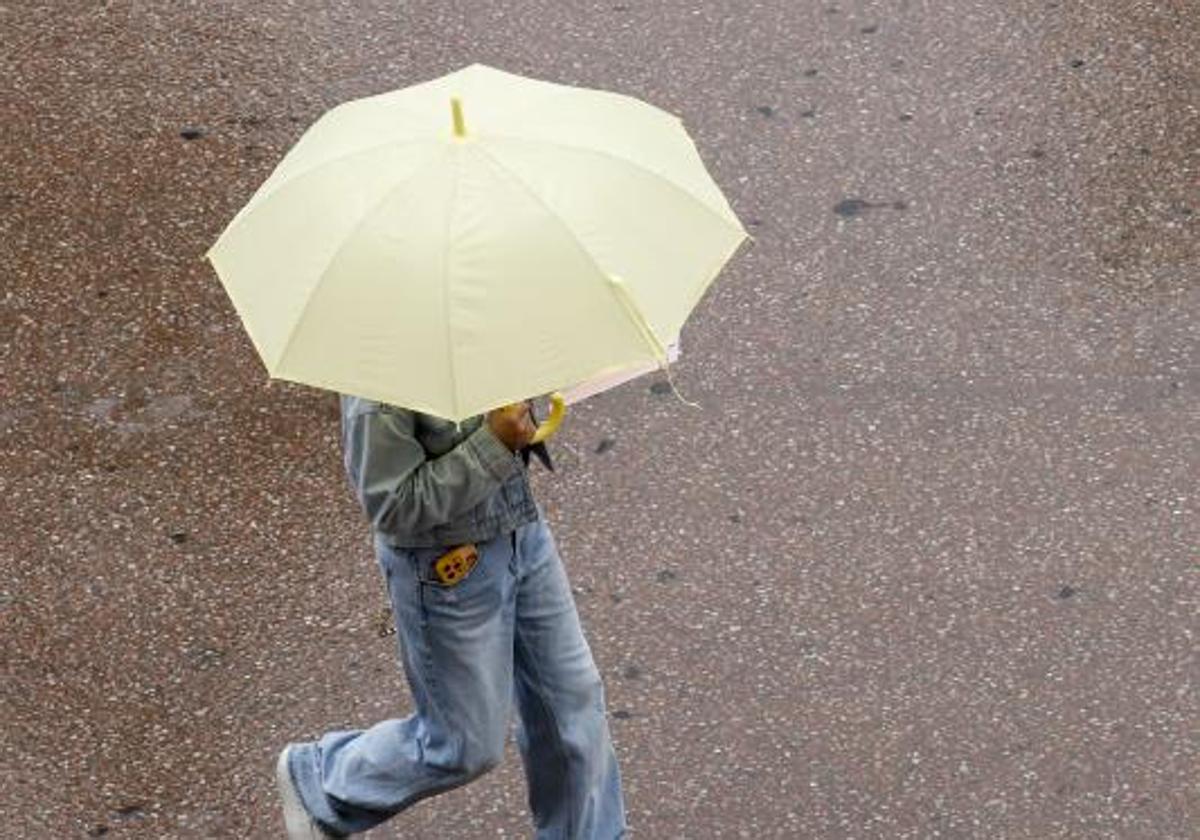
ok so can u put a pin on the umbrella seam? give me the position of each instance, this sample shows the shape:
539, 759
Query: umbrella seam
292, 179
550, 212
641, 167
709, 276
312, 293
623, 295
446, 228
714, 271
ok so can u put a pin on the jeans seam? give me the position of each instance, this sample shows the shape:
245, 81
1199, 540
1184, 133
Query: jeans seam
556, 726
426, 648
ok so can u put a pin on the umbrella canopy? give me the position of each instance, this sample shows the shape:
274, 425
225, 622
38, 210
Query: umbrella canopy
476, 240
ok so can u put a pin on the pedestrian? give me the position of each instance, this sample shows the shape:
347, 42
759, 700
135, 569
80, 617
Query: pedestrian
492, 625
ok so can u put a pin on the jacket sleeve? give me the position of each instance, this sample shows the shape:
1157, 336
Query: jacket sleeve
402, 490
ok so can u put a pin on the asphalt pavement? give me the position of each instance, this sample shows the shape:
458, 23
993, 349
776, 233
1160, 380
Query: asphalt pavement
924, 564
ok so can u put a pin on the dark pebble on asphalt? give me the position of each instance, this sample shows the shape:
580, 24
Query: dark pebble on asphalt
97, 831
765, 110
1066, 592
666, 576
870, 30
1077, 63
179, 537
632, 672
191, 133
808, 114
850, 207
660, 388
605, 445
622, 714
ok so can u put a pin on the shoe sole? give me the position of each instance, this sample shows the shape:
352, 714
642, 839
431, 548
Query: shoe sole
295, 817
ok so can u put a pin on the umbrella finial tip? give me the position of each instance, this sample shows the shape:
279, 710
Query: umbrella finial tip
460, 126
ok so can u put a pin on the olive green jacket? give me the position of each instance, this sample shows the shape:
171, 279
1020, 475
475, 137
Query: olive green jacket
425, 482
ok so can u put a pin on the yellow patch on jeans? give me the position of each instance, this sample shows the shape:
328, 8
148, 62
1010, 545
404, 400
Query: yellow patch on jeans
453, 567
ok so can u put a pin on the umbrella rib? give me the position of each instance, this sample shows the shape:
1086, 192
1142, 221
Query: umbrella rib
446, 319
312, 293
620, 293
695, 294
549, 210
659, 176
293, 178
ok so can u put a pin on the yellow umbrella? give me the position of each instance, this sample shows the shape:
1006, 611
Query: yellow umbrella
476, 240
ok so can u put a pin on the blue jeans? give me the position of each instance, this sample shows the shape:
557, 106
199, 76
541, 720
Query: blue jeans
509, 631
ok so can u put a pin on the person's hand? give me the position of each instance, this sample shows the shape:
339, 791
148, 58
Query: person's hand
513, 424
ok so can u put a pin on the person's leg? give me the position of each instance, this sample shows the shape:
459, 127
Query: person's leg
456, 644
574, 783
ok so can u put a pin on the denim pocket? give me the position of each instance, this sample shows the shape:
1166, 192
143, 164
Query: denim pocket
477, 593
422, 561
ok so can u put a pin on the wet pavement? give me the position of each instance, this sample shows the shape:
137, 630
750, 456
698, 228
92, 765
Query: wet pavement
923, 566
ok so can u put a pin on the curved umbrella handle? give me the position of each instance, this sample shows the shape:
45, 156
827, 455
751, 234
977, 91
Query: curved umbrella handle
558, 410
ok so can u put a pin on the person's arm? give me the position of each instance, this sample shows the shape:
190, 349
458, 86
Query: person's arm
403, 491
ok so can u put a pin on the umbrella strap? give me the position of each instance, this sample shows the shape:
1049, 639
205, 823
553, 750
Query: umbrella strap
625, 296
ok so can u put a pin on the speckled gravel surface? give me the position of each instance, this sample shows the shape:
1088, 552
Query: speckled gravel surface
924, 566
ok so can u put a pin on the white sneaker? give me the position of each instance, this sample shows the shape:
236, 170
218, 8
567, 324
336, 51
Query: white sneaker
300, 824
